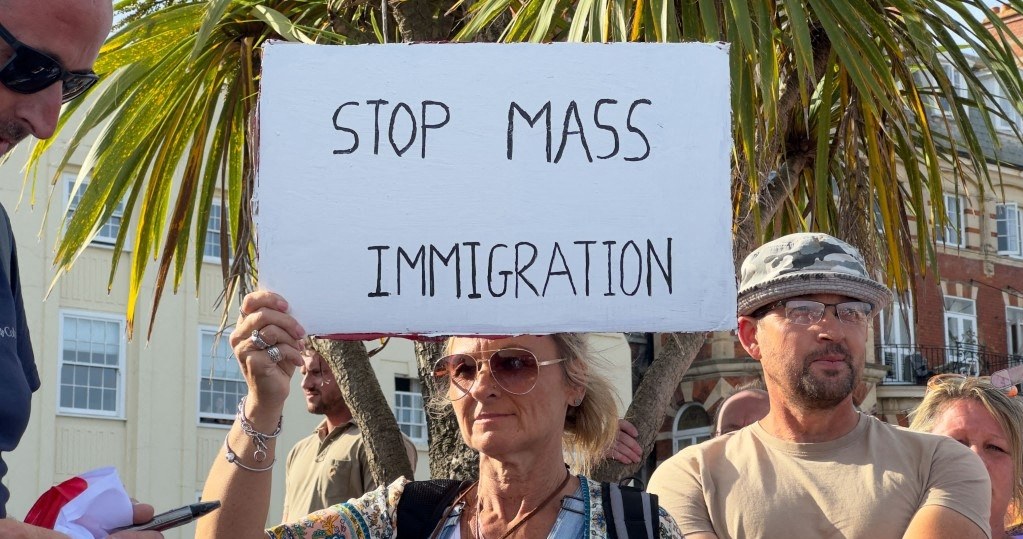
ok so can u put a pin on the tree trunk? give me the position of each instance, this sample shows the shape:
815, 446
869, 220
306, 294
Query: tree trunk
653, 398
422, 20
358, 383
450, 458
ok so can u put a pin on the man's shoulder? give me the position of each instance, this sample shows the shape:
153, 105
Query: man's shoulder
698, 454
882, 432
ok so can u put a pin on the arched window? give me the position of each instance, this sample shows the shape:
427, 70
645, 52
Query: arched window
691, 426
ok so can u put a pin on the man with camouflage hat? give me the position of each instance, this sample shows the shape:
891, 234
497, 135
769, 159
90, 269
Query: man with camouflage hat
814, 467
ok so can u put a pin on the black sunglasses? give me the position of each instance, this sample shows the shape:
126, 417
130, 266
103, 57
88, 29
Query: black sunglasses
28, 71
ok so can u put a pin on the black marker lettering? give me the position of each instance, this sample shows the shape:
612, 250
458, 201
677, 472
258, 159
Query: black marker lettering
419, 259
651, 255
609, 244
519, 268
628, 123
606, 127
490, 273
380, 250
445, 260
565, 271
545, 110
339, 127
587, 247
390, 130
621, 268
376, 123
472, 245
427, 126
572, 112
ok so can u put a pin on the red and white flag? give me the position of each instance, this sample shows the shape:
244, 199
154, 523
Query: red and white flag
84, 507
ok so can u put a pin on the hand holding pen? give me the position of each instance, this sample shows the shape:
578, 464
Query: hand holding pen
173, 518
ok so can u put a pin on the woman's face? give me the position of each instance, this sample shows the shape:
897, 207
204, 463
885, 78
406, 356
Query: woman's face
500, 424
970, 423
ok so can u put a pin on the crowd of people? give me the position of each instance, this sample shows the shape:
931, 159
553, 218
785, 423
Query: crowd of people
794, 458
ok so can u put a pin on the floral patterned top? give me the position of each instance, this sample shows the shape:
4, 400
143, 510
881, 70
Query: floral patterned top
374, 515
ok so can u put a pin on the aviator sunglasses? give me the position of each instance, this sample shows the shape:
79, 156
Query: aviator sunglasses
514, 369
29, 70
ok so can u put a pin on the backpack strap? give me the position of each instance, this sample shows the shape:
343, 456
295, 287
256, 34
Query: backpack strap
424, 505
631, 513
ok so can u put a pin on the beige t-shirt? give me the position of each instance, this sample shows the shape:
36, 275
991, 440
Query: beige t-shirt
866, 484
326, 469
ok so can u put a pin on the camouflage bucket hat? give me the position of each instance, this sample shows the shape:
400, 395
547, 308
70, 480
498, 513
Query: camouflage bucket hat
806, 263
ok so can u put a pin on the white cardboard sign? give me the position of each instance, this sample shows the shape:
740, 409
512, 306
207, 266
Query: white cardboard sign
497, 189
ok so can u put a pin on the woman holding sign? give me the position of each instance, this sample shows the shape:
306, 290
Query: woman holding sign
522, 402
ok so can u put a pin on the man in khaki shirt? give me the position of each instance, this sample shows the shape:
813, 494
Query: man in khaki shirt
330, 466
814, 467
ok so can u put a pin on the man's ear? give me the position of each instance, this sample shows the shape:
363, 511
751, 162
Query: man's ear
747, 332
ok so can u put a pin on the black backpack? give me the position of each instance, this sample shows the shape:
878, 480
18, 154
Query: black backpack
424, 506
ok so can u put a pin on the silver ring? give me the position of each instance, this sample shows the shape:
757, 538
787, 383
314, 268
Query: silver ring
274, 353
257, 340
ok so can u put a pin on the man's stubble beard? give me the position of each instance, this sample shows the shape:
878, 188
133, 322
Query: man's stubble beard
817, 393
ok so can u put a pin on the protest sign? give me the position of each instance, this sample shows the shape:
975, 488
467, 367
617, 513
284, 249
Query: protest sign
496, 189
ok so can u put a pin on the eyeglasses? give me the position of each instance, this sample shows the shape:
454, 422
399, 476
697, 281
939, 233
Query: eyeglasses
514, 369
29, 70
807, 313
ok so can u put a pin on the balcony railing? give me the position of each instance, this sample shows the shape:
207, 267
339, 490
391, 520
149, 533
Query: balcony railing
911, 364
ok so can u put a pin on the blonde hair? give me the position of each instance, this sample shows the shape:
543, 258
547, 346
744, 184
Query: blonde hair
590, 427
1006, 410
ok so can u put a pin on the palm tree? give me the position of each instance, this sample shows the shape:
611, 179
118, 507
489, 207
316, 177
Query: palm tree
832, 101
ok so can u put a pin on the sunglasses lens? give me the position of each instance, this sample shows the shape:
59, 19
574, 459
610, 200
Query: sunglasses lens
76, 84
515, 369
453, 375
29, 72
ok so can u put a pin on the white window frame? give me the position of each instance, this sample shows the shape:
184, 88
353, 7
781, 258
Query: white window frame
955, 78
210, 232
894, 347
412, 403
1001, 124
101, 238
118, 412
957, 226
212, 418
693, 435
1008, 226
1011, 328
965, 321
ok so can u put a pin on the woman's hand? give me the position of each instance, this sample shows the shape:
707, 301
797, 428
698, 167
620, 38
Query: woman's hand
268, 357
625, 448
140, 514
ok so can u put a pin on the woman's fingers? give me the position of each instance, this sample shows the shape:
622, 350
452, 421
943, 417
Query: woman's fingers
260, 299
628, 428
626, 448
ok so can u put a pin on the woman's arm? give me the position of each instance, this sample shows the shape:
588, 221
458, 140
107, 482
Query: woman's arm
242, 484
